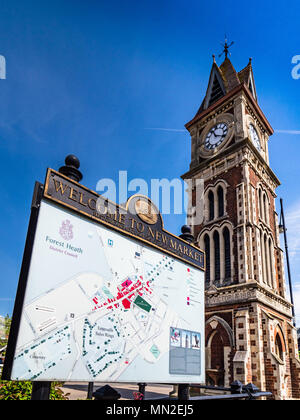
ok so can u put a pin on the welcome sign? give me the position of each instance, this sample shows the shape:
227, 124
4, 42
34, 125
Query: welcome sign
110, 295
139, 218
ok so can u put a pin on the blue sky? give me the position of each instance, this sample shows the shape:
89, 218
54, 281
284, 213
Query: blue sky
91, 77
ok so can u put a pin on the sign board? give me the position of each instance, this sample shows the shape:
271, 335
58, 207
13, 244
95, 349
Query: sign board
110, 295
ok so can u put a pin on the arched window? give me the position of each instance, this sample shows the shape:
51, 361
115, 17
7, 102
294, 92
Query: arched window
217, 361
218, 342
263, 257
207, 254
264, 208
217, 256
271, 261
278, 347
220, 201
267, 262
227, 254
259, 203
211, 205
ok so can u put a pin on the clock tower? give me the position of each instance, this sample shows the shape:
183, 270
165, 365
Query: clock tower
249, 327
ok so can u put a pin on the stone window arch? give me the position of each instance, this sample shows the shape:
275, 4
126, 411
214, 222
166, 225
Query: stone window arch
267, 257
278, 347
218, 344
263, 205
279, 343
215, 200
217, 242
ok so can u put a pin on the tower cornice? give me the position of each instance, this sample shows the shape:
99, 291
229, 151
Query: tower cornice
239, 146
247, 292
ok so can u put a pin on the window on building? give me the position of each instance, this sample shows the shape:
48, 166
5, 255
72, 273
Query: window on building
211, 205
278, 347
267, 261
271, 248
217, 256
227, 253
220, 201
264, 208
259, 203
207, 254
216, 92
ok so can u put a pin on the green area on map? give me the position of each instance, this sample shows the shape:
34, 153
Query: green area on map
141, 303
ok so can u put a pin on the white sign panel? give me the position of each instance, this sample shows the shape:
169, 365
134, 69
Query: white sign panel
100, 306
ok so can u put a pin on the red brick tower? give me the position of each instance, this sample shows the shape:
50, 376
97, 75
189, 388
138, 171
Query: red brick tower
249, 330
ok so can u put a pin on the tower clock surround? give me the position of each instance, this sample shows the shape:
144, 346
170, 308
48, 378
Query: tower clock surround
210, 143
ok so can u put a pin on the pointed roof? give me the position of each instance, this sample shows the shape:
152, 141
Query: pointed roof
229, 75
224, 79
246, 77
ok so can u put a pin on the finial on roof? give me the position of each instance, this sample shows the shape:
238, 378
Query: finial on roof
226, 48
214, 58
250, 60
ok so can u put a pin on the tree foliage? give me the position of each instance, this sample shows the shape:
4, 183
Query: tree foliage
14, 390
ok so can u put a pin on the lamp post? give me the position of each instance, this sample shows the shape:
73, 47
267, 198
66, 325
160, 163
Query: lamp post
282, 229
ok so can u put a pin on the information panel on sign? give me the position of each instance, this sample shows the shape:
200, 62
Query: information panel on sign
102, 306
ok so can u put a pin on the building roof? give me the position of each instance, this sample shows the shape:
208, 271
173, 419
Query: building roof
229, 75
224, 79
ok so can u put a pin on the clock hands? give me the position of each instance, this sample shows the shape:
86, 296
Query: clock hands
216, 136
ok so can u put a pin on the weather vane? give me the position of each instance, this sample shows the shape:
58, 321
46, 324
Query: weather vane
226, 48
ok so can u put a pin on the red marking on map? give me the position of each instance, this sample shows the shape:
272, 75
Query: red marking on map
126, 303
138, 287
127, 283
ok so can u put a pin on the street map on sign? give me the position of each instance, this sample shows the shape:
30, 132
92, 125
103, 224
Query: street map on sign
100, 306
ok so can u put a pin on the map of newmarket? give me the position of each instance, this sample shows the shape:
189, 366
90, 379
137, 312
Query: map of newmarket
109, 322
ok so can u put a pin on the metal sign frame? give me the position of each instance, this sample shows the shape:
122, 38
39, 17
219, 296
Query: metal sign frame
75, 197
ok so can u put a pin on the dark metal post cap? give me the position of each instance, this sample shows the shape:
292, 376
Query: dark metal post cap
186, 234
71, 169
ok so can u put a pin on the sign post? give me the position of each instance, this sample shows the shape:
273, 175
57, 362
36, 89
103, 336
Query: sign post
105, 293
40, 391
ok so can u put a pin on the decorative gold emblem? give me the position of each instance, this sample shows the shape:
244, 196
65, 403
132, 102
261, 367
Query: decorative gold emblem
146, 211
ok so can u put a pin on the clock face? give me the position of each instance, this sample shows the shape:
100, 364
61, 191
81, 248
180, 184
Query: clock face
254, 137
216, 136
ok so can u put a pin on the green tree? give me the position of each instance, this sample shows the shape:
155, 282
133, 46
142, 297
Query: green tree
7, 324
5, 332
14, 390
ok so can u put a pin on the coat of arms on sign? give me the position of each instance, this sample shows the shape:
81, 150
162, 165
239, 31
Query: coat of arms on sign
66, 230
